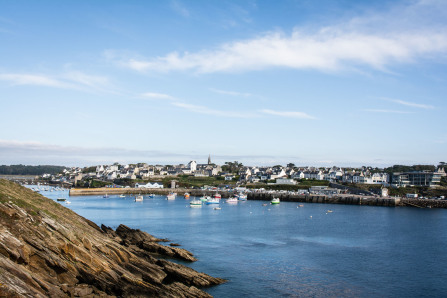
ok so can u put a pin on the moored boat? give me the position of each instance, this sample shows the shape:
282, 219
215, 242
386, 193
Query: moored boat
171, 196
122, 196
212, 201
105, 196
232, 200
242, 197
60, 199
195, 203
275, 201
186, 196
204, 198
217, 196
139, 198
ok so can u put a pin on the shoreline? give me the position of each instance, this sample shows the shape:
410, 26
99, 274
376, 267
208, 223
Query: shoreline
348, 199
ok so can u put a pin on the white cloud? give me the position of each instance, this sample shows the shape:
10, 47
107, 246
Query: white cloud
31, 79
288, 114
153, 95
387, 111
341, 46
208, 111
410, 104
232, 93
69, 80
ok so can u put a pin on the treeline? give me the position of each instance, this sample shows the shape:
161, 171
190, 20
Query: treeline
30, 170
401, 168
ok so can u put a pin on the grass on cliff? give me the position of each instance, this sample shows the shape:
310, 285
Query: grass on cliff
34, 203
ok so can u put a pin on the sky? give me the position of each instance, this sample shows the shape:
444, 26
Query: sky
311, 82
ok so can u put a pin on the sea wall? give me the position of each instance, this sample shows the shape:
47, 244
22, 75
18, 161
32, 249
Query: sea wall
322, 199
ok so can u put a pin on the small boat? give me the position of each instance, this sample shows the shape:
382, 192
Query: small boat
217, 208
300, 205
195, 203
67, 202
186, 196
122, 196
61, 199
217, 196
275, 201
232, 200
151, 195
242, 197
106, 196
212, 201
171, 196
139, 198
204, 199
329, 211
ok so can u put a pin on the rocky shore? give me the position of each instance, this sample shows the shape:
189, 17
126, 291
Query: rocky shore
48, 250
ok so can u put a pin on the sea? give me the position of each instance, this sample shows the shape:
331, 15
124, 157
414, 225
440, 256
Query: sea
292, 249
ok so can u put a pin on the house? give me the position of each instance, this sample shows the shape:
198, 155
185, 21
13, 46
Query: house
285, 181
229, 177
149, 185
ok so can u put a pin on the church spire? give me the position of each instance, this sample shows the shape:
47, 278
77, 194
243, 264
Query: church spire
209, 159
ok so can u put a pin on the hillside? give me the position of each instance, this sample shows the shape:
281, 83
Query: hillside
48, 250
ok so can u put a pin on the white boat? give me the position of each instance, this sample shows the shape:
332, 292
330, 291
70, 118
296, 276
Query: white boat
195, 203
171, 196
217, 196
242, 197
275, 201
106, 196
204, 198
122, 196
212, 201
232, 200
139, 198
67, 202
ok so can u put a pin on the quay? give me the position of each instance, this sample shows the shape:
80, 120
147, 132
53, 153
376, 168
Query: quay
347, 199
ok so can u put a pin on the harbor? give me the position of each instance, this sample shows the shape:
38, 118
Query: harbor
346, 199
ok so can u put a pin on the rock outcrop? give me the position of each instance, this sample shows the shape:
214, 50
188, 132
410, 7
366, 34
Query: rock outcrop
48, 250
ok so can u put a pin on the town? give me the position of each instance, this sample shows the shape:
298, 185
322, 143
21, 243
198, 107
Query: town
400, 179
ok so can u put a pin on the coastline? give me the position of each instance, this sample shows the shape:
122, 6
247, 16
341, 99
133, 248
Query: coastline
347, 199
47, 249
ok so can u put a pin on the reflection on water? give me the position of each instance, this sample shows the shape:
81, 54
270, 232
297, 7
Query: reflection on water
287, 250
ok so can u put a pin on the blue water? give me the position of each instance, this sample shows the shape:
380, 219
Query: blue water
288, 251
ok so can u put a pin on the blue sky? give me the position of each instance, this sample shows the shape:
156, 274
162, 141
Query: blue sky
331, 82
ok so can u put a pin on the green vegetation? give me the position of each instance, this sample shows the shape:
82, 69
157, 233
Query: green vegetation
232, 167
401, 168
191, 181
30, 170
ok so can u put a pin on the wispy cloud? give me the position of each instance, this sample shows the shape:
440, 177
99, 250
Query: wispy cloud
288, 114
343, 46
32, 79
179, 8
232, 93
387, 111
69, 80
208, 111
152, 95
409, 104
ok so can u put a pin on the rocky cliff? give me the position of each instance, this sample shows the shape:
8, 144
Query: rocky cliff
48, 250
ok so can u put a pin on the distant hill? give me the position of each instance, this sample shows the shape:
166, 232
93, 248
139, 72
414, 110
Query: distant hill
30, 170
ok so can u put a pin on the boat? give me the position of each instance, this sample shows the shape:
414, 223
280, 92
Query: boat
106, 196
139, 198
122, 196
232, 200
151, 195
212, 201
195, 203
171, 196
217, 196
242, 197
67, 202
186, 196
275, 201
61, 199
204, 198
329, 211
217, 208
